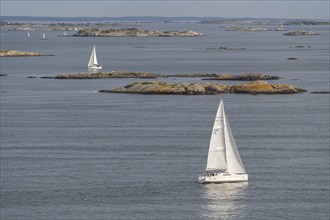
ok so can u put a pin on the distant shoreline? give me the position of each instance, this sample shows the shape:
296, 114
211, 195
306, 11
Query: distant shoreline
151, 18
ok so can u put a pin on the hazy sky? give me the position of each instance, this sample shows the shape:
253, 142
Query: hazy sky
308, 9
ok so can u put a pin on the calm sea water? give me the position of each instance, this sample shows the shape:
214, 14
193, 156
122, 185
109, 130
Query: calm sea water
68, 152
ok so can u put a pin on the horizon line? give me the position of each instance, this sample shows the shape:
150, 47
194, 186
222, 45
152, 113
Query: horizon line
151, 16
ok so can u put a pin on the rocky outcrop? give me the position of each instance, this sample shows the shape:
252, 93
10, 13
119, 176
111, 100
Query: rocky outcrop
300, 33
247, 29
262, 87
226, 48
20, 29
307, 22
169, 88
320, 92
133, 32
258, 87
113, 74
14, 53
124, 74
244, 77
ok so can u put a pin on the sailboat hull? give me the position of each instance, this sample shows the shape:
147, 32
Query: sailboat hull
95, 67
223, 178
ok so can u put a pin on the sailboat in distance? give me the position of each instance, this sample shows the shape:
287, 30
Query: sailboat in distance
92, 63
44, 37
224, 163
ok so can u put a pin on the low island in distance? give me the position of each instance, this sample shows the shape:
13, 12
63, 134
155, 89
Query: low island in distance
300, 33
14, 53
133, 32
131, 74
163, 88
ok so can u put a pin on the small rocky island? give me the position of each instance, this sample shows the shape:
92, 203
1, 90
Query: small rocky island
243, 77
133, 32
257, 87
242, 28
113, 74
300, 33
127, 74
14, 53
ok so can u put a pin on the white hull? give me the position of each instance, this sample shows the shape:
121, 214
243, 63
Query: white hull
95, 67
223, 178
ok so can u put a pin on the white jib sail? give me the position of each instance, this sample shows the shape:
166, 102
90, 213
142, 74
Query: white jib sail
93, 60
234, 162
217, 154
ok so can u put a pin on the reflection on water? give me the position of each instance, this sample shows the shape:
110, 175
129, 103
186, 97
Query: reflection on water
224, 201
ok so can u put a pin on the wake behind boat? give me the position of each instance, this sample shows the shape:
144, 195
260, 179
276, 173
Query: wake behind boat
92, 63
224, 163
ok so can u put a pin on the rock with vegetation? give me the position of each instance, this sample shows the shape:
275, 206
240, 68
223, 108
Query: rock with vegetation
243, 77
171, 88
14, 53
300, 33
262, 87
133, 32
258, 87
113, 74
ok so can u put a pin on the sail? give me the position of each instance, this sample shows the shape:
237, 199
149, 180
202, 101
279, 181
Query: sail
216, 156
93, 60
234, 162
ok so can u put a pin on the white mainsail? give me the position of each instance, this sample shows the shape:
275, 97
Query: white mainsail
93, 60
223, 153
217, 153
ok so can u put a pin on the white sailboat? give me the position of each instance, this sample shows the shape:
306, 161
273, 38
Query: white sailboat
281, 28
28, 34
44, 37
224, 163
92, 63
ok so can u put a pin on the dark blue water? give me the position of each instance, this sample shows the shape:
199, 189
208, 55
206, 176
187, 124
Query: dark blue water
68, 152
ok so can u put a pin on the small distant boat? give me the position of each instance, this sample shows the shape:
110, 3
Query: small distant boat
28, 34
92, 63
224, 164
44, 37
281, 28
64, 33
